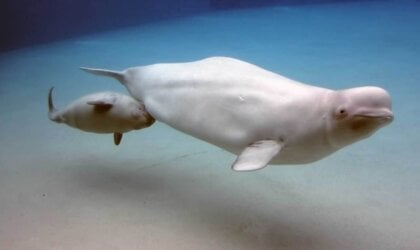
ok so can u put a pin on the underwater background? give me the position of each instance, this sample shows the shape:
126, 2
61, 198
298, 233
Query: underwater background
61, 188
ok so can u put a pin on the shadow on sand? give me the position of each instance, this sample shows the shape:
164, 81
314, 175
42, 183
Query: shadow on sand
226, 213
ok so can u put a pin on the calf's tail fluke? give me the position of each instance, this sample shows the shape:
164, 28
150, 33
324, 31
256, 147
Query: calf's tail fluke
52, 111
105, 72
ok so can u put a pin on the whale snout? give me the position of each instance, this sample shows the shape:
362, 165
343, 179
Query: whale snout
373, 103
386, 118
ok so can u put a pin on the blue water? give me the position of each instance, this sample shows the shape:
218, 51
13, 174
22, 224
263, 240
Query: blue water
160, 189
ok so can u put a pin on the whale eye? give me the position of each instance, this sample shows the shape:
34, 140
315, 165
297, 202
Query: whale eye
341, 113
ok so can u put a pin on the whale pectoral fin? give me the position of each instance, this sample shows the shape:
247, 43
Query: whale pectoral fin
257, 155
117, 138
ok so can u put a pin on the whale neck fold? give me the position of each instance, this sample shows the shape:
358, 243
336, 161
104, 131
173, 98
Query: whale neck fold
326, 101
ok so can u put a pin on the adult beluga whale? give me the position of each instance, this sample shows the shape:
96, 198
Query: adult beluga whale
261, 116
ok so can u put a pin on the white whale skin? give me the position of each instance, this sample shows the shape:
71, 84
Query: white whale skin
259, 115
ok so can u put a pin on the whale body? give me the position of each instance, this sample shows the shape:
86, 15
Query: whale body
261, 116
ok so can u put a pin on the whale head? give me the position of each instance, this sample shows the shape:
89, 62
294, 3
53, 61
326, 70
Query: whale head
132, 114
356, 113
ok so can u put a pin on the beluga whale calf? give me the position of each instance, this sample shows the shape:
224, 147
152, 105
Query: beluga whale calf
262, 117
102, 112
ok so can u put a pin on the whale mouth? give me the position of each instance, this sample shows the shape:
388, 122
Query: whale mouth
382, 117
371, 121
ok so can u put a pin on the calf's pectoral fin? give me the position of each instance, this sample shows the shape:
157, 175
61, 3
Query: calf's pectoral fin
117, 138
101, 105
257, 155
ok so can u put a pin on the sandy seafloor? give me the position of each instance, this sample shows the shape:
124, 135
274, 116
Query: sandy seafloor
160, 189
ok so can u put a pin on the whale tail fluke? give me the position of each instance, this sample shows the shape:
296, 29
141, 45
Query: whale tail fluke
53, 114
105, 72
